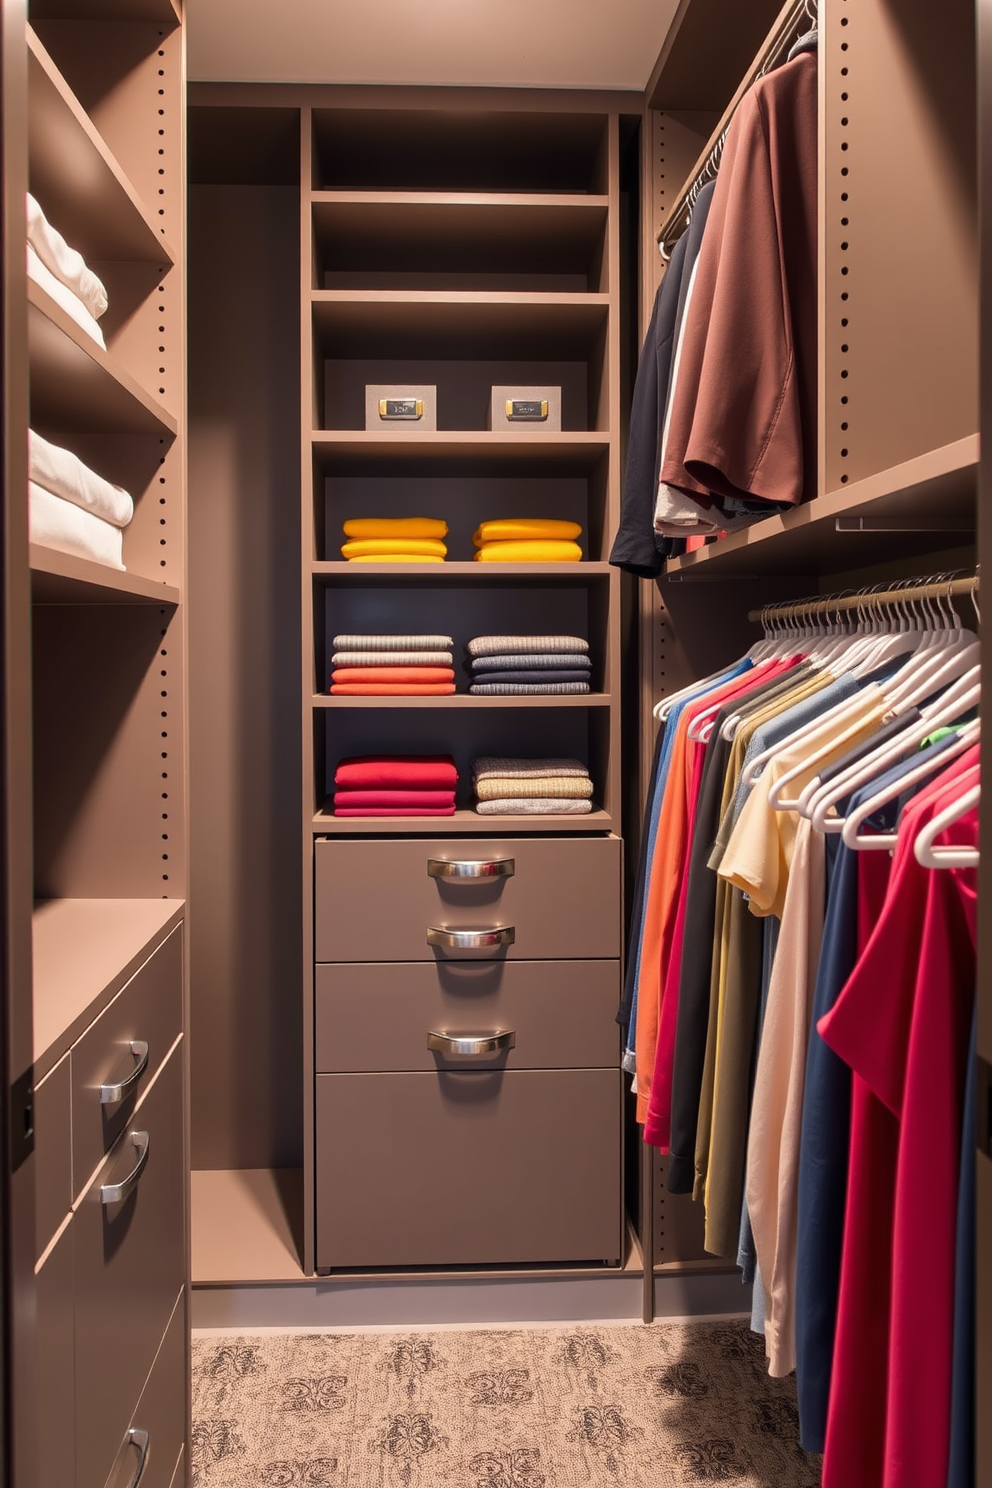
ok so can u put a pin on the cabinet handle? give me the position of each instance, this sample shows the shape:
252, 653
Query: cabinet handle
494, 868
472, 1043
116, 1193
470, 940
110, 1095
142, 1441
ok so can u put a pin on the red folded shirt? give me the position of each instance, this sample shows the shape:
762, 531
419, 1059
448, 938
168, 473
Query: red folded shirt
432, 799
396, 811
406, 675
397, 772
392, 689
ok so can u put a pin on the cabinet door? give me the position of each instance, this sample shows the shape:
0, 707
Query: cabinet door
484, 1168
56, 1373
130, 1266
376, 900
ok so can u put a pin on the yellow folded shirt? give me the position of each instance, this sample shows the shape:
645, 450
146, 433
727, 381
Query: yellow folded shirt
395, 527
529, 552
369, 547
396, 558
525, 529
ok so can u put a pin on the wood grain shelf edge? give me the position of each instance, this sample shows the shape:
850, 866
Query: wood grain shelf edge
464, 821
467, 700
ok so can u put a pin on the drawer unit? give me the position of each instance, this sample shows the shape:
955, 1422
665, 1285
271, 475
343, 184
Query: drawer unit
116, 1058
154, 1440
544, 897
55, 1325
468, 1168
52, 1153
561, 1014
130, 1257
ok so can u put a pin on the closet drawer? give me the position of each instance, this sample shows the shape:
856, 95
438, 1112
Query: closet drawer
479, 1168
376, 900
378, 1017
148, 1009
160, 1415
130, 1267
52, 1153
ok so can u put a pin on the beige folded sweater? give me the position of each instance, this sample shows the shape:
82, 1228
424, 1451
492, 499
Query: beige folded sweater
566, 787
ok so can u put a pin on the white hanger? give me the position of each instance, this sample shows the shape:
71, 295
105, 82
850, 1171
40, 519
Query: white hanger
925, 848
851, 835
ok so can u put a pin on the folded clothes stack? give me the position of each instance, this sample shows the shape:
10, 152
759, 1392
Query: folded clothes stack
395, 540
527, 540
392, 666
531, 787
395, 785
63, 274
71, 508
503, 666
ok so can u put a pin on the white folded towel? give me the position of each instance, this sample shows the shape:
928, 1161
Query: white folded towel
62, 295
64, 262
58, 524
64, 474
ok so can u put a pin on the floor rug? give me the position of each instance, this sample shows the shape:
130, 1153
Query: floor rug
673, 1405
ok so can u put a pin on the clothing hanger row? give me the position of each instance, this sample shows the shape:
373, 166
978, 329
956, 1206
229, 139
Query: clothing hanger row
799, 24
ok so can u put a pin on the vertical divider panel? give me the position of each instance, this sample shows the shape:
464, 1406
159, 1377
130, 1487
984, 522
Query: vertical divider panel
308, 495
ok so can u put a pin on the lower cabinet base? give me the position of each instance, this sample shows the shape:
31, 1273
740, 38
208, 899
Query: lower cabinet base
474, 1168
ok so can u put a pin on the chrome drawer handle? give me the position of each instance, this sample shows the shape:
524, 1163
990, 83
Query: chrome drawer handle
110, 1095
472, 1043
116, 1193
470, 940
493, 868
141, 1440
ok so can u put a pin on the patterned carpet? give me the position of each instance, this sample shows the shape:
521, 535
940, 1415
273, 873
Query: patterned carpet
669, 1406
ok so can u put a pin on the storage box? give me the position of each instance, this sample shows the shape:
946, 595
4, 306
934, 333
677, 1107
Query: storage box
402, 409
525, 408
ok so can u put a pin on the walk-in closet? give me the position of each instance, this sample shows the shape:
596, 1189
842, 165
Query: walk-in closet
491, 615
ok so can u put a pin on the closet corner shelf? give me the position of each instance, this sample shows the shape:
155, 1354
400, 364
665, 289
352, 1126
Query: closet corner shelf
76, 177
84, 951
464, 822
468, 700
62, 578
929, 500
375, 323
351, 449
475, 573
240, 1227
75, 384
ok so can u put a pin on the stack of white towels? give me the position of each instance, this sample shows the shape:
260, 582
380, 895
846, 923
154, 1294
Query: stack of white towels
71, 508
64, 274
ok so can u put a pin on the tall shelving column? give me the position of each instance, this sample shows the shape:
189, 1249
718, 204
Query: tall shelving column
446, 242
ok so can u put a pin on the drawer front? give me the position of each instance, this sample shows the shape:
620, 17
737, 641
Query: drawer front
160, 1415
375, 900
130, 1266
150, 1009
179, 1476
468, 1169
53, 1336
52, 1153
562, 1014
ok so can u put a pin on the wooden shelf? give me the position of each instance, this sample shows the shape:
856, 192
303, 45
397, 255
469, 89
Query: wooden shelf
241, 1230
81, 187
457, 452
930, 502
75, 384
463, 823
440, 323
164, 11
62, 578
474, 573
84, 952
468, 700
368, 233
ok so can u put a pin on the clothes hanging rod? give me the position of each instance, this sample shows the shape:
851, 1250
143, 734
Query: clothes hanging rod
793, 22
835, 603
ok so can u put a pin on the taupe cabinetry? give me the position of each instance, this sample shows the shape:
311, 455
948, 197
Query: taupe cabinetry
111, 1235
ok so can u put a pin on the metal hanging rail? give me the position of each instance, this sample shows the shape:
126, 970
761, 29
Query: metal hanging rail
792, 23
866, 599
